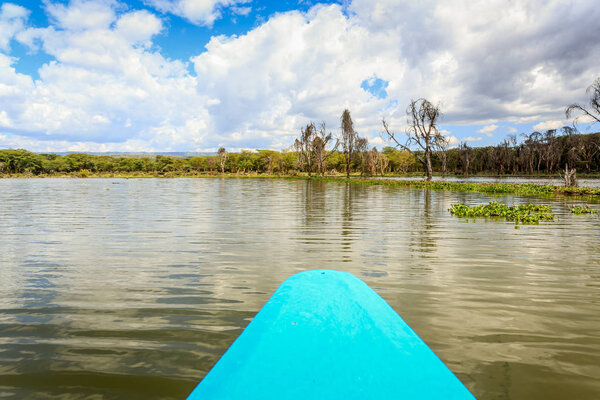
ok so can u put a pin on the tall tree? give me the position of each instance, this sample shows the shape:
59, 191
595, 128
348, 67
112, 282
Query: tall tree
222, 154
377, 162
211, 163
361, 145
572, 143
349, 138
319, 147
383, 163
589, 147
372, 158
550, 149
423, 117
530, 150
304, 146
506, 153
442, 153
464, 152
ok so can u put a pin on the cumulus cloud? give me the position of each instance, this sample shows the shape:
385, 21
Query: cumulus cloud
108, 87
241, 10
472, 139
139, 26
488, 130
12, 21
283, 74
81, 15
453, 141
102, 87
200, 12
546, 125
490, 68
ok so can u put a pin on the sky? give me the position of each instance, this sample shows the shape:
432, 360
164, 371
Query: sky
195, 75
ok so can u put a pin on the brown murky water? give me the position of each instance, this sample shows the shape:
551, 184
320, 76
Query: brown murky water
132, 289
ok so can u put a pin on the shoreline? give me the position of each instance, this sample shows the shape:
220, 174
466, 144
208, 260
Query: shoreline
530, 189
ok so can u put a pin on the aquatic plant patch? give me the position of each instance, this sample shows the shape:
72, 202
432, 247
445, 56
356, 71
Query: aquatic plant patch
523, 213
583, 210
527, 189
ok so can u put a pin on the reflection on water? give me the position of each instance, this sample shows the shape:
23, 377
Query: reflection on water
132, 289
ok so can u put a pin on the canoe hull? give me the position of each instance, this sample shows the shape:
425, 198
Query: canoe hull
327, 335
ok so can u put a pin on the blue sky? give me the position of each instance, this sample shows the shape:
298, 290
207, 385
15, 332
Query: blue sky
194, 75
181, 40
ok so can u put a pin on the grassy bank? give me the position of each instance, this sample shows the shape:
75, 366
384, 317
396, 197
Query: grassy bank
495, 188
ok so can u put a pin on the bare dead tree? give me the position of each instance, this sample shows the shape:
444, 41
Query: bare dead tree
572, 143
304, 145
423, 117
442, 152
222, 154
530, 150
349, 137
501, 156
464, 152
372, 158
510, 144
384, 162
538, 145
570, 176
512, 151
319, 147
593, 112
362, 144
588, 149
377, 162
549, 149
297, 150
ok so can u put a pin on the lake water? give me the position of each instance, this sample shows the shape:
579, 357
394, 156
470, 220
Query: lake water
132, 289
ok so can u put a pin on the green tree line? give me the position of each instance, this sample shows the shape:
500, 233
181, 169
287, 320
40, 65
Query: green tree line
245, 162
538, 153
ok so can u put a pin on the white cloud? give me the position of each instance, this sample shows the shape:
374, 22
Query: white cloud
108, 87
283, 74
81, 15
378, 141
12, 21
545, 125
498, 74
241, 10
472, 139
488, 130
139, 26
200, 12
102, 88
453, 141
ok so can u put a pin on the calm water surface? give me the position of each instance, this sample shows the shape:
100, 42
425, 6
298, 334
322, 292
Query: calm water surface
132, 289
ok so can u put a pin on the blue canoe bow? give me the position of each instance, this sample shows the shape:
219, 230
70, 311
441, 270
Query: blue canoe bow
327, 335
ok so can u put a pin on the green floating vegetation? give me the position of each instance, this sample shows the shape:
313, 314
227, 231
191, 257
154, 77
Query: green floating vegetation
583, 210
527, 189
523, 213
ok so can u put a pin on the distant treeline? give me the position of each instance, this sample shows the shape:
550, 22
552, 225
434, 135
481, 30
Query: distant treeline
538, 153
